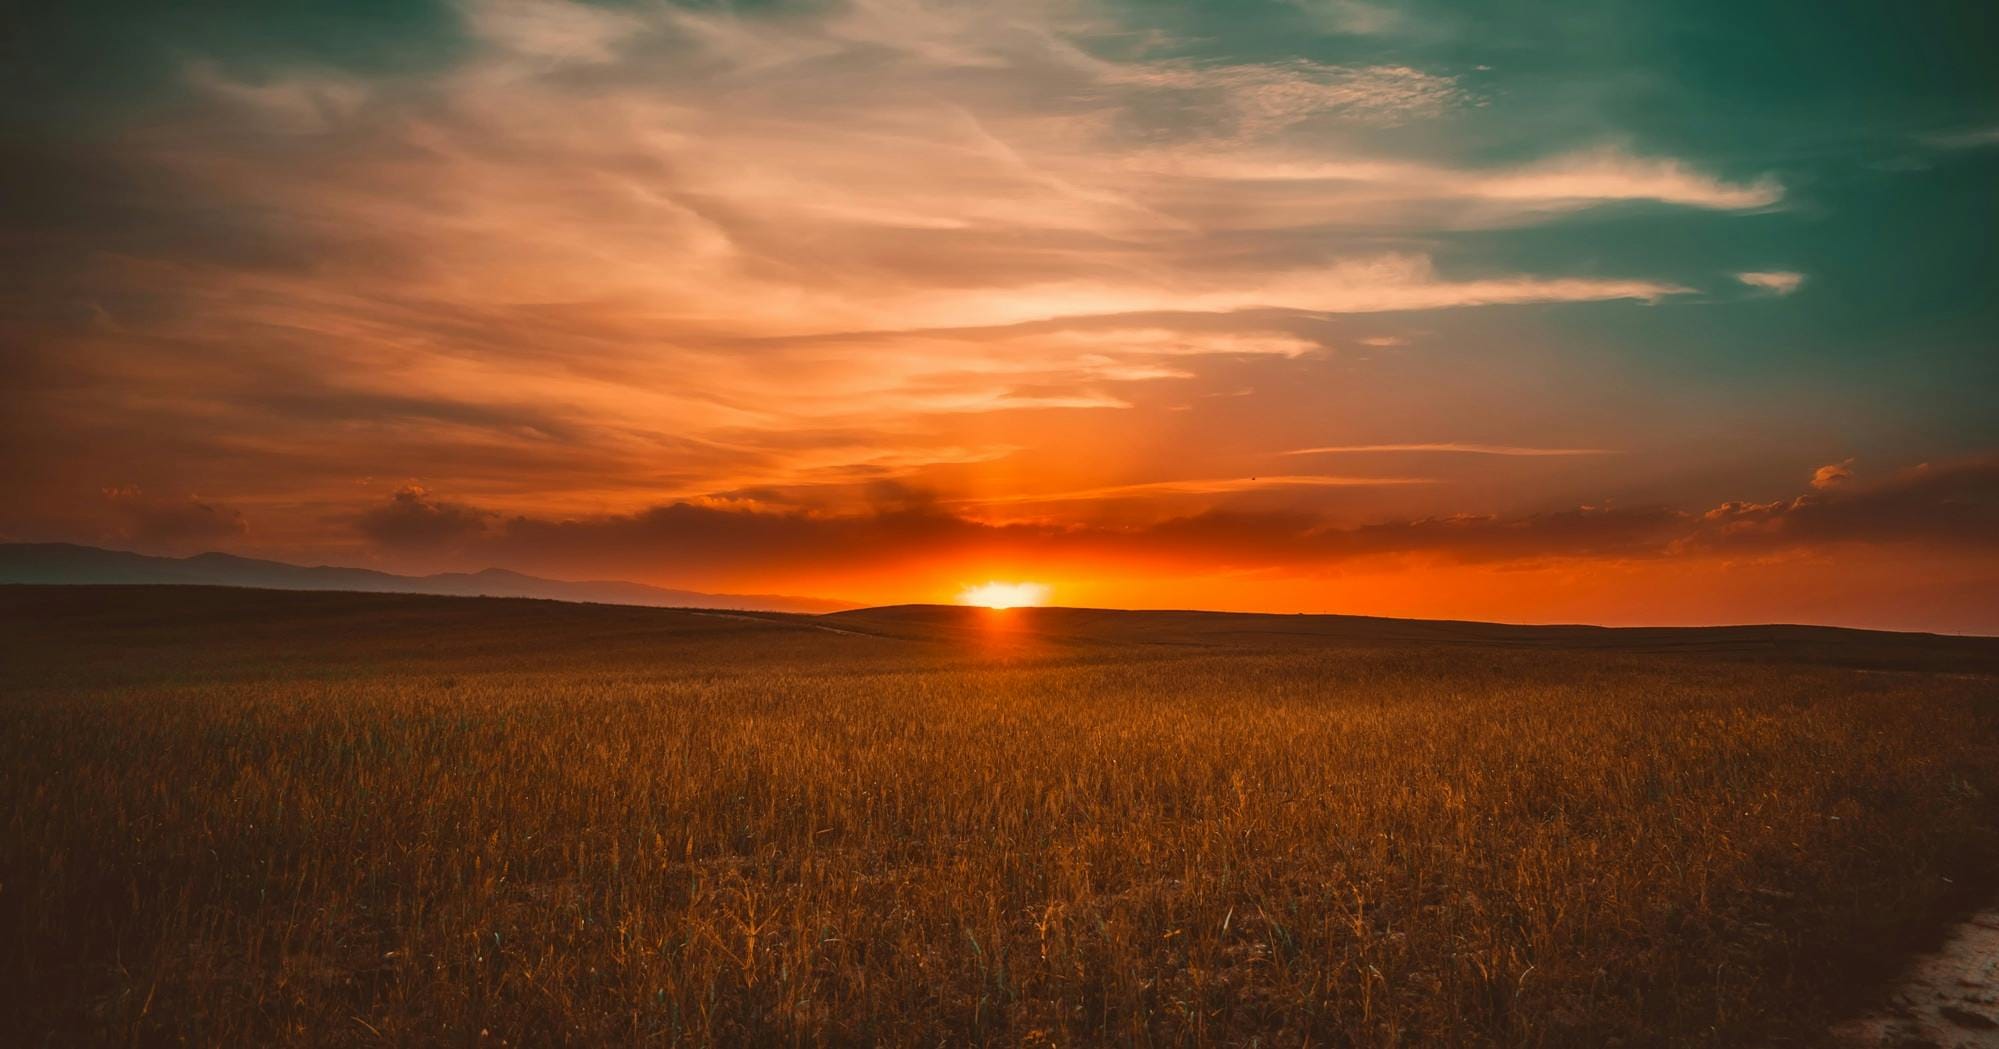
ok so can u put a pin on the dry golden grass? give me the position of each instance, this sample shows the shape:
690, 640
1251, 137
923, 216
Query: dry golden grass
257, 819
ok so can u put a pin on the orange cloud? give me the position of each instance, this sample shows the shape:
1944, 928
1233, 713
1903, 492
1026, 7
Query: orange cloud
1954, 505
168, 523
1773, 282
1452, 447
1832, 475
658, 290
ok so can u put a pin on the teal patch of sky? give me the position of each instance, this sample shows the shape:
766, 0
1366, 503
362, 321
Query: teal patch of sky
1898, 270
82, 62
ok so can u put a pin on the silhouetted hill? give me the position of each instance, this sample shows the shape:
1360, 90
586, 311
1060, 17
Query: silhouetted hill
108, 575
68, 563
1816, 644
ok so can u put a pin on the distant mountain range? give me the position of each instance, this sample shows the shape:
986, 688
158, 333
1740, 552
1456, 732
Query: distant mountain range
69, 563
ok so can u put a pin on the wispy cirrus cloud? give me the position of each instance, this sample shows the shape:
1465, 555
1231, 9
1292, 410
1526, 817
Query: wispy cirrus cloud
1969, 138
1832, 475
551, 32
1450, 447
608, 257
1164, 492
1775, 282
1254, 101
1290, 187
1352, 16
171, 523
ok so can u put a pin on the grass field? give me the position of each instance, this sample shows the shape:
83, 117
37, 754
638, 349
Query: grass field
258, 818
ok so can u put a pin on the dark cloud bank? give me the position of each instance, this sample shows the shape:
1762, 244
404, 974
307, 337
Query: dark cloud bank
1950, 506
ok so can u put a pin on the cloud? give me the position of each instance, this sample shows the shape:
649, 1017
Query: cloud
551, 30
1351, 16
1616, 175
413, 520
1450, 447
691, 543
1776, 282
1382, 283
1191, 487
297, 104
600, 257
1970, 138
1951, 506
170, 523
1280, 188
1832, 475
1259, 100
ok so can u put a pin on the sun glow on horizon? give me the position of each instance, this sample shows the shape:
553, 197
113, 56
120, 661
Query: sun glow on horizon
1004, 595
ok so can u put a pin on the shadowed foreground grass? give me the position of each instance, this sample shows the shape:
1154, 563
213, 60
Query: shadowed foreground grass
253, 818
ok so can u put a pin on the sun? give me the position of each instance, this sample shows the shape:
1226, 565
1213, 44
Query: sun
1005, 595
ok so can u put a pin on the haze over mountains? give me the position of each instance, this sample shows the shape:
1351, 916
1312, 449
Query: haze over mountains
70, 563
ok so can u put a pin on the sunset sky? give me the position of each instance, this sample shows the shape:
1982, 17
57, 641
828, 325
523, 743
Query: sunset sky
1670, 312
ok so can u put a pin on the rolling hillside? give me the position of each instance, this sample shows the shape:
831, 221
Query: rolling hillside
66, 563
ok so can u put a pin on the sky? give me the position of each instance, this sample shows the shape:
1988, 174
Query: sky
1614, 312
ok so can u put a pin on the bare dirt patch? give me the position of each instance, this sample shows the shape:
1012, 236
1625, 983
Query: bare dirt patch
1948, 998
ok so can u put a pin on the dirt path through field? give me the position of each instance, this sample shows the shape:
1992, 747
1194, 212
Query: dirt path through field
1946, 999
